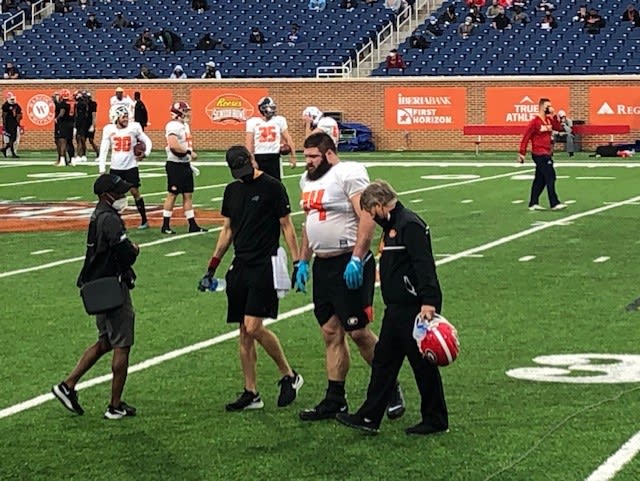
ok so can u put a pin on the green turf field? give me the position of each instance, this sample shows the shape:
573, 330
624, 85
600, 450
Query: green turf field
517, 284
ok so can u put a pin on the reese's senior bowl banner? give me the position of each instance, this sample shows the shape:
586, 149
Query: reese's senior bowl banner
224, 108
424, 108
518, 105
614, 106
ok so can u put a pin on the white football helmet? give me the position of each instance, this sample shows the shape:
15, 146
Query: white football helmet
116, 112
312, 113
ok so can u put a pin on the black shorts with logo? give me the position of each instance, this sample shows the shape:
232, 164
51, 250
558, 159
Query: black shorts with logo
269, 164
130, 175
179, 177
354, 307
250, 291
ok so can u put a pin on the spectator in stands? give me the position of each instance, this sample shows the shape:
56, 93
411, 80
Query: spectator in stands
566, 132
178, 73
256, 36
466, 28
494, 10
581, 16
449, 16
501, 22
171, 41
11, 72
145, 41
476, 15
140, 113
145, 73
199, 5
121, 21
207, 42
317, 5
395, 5
62, 6
83, 4
520, 16
433, 27
417, 40
293, 37
631, 15
211, 71
395, 60
349, 5
548, 22
476, 3
594, 22
506, 4
546, 6
92, 22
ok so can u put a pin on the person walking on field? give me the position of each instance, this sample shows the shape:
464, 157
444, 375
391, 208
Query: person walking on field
539, 133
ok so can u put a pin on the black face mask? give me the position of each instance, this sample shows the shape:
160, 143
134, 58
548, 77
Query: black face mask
319, 171
382, 221
247, 179
547, 111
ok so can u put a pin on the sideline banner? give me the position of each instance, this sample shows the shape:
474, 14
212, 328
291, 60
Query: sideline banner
518, 105
224, 108
38, 110
157, 101
614, 106
425, 108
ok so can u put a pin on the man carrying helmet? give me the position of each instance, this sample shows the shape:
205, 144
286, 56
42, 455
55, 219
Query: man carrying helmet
266, 135
179, 169
121, 135
11, 118
316, 121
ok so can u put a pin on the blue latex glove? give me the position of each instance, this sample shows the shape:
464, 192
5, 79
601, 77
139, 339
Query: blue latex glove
302, 275
353, 273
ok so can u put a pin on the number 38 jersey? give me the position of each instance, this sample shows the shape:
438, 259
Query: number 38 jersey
121, 142
267, 134
331, 223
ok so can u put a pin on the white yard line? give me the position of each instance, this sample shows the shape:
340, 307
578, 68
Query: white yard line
23, 406
607, 470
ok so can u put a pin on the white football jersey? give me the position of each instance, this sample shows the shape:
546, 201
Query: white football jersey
330, 127
331, 223
267, 134
183, 132
126, 101
121, 143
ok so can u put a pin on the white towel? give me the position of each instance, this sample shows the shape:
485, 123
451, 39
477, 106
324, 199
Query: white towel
281, 279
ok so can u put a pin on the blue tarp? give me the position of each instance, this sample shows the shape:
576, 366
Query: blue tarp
355, 137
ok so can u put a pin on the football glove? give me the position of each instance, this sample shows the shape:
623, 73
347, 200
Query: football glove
300, 275
206, 281
353, 273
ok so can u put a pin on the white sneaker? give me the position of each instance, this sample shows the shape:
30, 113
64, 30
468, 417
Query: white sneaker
536, 207
559, 206
61, 164
83, 158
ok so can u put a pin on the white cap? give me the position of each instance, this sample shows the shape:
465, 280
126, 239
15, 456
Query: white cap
562, 113
211, 64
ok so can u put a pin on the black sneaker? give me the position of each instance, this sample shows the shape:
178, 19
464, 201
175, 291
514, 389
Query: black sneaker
396, 408
289, 387
122, 411
356, 421
424, 429
68, 397
197, 228
167, 231
247, 400
327, 409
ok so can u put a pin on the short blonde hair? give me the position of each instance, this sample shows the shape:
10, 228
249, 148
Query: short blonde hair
377, 192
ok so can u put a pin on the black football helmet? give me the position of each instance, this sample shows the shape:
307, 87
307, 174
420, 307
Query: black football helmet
267, 107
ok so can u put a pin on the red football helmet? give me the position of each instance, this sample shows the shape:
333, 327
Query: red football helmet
437, 340
180, 109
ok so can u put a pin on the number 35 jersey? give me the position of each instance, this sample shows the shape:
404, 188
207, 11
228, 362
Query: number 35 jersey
267, 134
331, 223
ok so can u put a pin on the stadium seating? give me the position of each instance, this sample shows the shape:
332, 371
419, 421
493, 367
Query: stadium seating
62, 47
528, 49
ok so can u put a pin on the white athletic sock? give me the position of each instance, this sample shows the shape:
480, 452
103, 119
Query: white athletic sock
189, 214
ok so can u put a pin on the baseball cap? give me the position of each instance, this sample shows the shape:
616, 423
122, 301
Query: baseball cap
119, 89
211, 64
110, 183
239, 161
562, 113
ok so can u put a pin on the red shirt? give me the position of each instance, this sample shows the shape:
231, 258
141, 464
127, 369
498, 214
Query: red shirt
540, 140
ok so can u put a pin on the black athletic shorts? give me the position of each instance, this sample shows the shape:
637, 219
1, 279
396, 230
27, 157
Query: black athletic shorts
354, 307
179, 177
269, 164
83, 129
250, 291
64, 130
130, 175
117, 325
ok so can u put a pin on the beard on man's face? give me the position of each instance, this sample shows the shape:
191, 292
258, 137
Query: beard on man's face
314, 173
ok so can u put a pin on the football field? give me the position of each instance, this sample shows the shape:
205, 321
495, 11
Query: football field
546, 387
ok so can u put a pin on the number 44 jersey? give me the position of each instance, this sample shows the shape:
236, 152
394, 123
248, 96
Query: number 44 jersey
332, 223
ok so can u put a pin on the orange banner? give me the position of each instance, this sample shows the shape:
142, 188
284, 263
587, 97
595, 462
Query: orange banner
518, 105
157, 101
614, 106
38, 110
224, 109
425, 108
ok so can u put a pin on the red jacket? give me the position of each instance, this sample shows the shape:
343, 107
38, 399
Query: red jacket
540, 140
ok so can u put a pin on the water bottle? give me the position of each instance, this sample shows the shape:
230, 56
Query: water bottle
217, 285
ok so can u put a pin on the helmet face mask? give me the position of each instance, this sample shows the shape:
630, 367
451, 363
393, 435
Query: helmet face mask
437, 340
312, 113
180, 110
117, 114
267, 107
65, 94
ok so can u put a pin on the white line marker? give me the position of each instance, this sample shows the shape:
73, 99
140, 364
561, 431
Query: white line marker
477, 256
526, 258
415, 201
517, 201
569, 201
601, 259
618, 460
630, 203
595, 178
28, 197
216, 199
75, 197
174, 254
43, 251
466, 201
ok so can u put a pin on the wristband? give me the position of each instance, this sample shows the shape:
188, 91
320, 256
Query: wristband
213, 264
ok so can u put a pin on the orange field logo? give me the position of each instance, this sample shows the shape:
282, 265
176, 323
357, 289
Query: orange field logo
41, 110
229, 109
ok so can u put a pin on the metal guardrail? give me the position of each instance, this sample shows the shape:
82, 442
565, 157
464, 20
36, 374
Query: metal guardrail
40, 9
333, 71
16, 21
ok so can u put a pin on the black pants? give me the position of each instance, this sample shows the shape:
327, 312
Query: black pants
545, 177
395, 343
